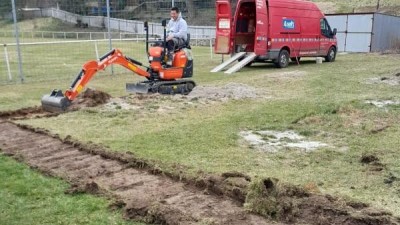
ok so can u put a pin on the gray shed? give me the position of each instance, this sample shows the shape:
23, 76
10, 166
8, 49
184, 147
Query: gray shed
366, 32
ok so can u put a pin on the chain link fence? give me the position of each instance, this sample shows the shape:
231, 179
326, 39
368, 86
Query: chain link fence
57, 37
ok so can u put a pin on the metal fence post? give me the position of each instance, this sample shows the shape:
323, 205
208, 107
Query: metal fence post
196, 36
96, 49
7, 62
14, 12
109, 34
211, 49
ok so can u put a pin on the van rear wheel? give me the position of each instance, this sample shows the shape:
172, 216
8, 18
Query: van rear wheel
283, 59
331, 55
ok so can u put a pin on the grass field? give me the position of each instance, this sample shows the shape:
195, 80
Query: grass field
324, 102
27, 197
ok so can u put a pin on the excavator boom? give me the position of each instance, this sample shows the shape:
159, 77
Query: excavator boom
57, 101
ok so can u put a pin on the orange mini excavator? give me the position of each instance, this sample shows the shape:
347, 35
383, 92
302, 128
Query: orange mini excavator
161, 78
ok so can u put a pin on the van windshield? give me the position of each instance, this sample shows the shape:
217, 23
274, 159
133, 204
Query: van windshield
326, 29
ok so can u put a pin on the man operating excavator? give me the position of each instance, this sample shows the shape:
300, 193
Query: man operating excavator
160, 78
176, 31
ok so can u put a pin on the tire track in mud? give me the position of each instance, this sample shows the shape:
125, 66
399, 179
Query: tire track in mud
145, 196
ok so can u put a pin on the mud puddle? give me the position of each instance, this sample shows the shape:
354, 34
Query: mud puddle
274, 141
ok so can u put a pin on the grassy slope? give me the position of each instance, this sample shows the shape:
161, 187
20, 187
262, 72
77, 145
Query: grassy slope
361, 3
328, 101
30, 198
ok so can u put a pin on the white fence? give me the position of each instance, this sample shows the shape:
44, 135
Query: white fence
61, 59
121, 25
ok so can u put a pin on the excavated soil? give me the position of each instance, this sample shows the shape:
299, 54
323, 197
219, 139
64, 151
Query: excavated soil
23, 113
90, 98
146, 193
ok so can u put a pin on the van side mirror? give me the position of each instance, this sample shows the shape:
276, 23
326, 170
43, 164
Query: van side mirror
164, 23
334, 31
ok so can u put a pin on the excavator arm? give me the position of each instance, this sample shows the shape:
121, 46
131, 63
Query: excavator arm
90, 69
57, 101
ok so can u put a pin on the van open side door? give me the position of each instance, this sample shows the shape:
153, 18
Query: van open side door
261, 36
224, 27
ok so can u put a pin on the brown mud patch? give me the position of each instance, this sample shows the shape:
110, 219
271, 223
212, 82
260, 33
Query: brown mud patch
89, 98
23, 113
372, 162
149, 194
292, 204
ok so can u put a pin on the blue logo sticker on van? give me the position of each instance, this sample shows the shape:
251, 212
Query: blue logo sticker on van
288, 24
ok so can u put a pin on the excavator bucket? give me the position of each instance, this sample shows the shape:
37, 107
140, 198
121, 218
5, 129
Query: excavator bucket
141, 87
55, 102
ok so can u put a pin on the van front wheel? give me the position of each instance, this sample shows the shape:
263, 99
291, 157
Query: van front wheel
331, 55
283, 59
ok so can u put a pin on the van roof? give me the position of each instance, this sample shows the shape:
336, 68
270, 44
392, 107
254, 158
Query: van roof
301, 4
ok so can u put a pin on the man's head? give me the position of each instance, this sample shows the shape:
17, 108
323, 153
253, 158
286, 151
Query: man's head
174, 13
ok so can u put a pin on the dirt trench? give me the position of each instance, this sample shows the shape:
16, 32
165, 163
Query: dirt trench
148, 194
143, 195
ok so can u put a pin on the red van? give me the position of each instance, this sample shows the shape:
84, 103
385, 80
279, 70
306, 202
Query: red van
272, 30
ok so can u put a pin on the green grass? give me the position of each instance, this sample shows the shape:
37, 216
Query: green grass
50, 66
326, 103
28, 197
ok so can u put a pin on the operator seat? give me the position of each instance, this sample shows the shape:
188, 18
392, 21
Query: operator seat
185, 44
